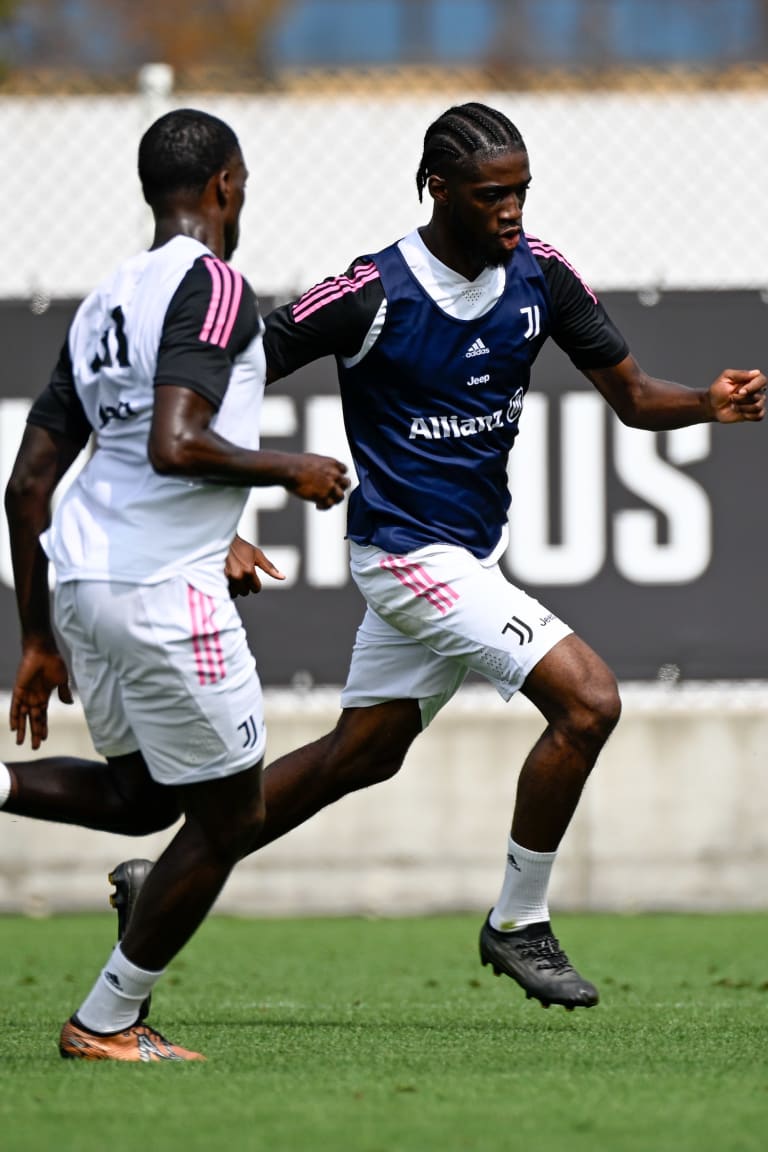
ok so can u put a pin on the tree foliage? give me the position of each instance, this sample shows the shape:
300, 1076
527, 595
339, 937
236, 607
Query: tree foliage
189, 33
117, 35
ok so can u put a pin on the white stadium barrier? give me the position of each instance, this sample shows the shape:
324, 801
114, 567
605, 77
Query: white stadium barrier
675, 816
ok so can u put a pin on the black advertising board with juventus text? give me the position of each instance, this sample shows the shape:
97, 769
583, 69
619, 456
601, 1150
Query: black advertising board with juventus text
653, 547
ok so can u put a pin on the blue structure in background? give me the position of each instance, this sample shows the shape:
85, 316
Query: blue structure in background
472, 33
338, 33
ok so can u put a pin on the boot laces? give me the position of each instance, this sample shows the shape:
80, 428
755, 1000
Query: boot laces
547, 953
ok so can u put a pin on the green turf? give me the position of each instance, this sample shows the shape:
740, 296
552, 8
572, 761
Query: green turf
387, 1036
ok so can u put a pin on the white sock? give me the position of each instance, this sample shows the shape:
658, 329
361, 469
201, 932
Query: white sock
523, 898
114, 1001
5, 784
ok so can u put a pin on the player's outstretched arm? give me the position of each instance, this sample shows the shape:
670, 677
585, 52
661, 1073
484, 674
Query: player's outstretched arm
643, 401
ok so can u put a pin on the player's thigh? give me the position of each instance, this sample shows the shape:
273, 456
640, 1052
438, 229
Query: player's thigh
573, 681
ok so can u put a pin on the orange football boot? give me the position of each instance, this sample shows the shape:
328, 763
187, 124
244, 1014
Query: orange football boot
140, 1044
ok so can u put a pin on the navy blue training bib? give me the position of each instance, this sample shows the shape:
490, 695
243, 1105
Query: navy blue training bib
432, 410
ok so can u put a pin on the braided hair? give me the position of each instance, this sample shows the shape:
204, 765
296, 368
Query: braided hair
465, 133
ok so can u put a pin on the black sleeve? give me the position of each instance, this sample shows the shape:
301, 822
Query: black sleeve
331, 319
58, 407
580, 324
212, 317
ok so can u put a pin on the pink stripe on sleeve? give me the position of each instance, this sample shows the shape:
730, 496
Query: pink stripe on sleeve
226, 293
213, 306
330, 290
237, 292
334, 281
539, 248
223, 313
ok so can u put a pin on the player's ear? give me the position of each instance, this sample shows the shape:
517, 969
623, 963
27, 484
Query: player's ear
223, 187
437, 187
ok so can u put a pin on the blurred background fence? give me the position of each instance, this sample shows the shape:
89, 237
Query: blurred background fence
647, 189
645, 121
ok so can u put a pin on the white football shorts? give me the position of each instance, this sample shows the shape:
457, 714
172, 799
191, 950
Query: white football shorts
166, 669
434, 615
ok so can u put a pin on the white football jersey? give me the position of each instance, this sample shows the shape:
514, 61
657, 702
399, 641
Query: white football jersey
174, 315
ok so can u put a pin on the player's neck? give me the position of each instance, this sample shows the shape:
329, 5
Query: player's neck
197, 227
445, 249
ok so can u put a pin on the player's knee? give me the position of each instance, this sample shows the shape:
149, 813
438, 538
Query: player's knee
372, 765
243, 831
384, 768
597, 712
142, 806
369, 745
154, 816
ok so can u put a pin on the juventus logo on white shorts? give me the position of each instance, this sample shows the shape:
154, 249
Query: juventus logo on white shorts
250, 732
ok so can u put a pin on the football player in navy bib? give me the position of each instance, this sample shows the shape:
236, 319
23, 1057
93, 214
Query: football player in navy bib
434, 338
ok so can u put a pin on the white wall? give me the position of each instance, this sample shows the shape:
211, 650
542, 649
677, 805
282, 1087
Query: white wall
675, 816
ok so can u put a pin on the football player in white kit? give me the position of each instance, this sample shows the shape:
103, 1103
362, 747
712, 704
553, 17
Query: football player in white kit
164, 365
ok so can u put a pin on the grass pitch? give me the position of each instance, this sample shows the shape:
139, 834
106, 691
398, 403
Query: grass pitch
361, 1035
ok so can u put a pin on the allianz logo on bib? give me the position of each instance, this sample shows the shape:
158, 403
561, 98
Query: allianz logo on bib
477, 348
460, 427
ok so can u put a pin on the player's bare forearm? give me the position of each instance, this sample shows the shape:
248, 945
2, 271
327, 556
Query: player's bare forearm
42, 460
643, 401
182, 443
321, 480
30, 568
